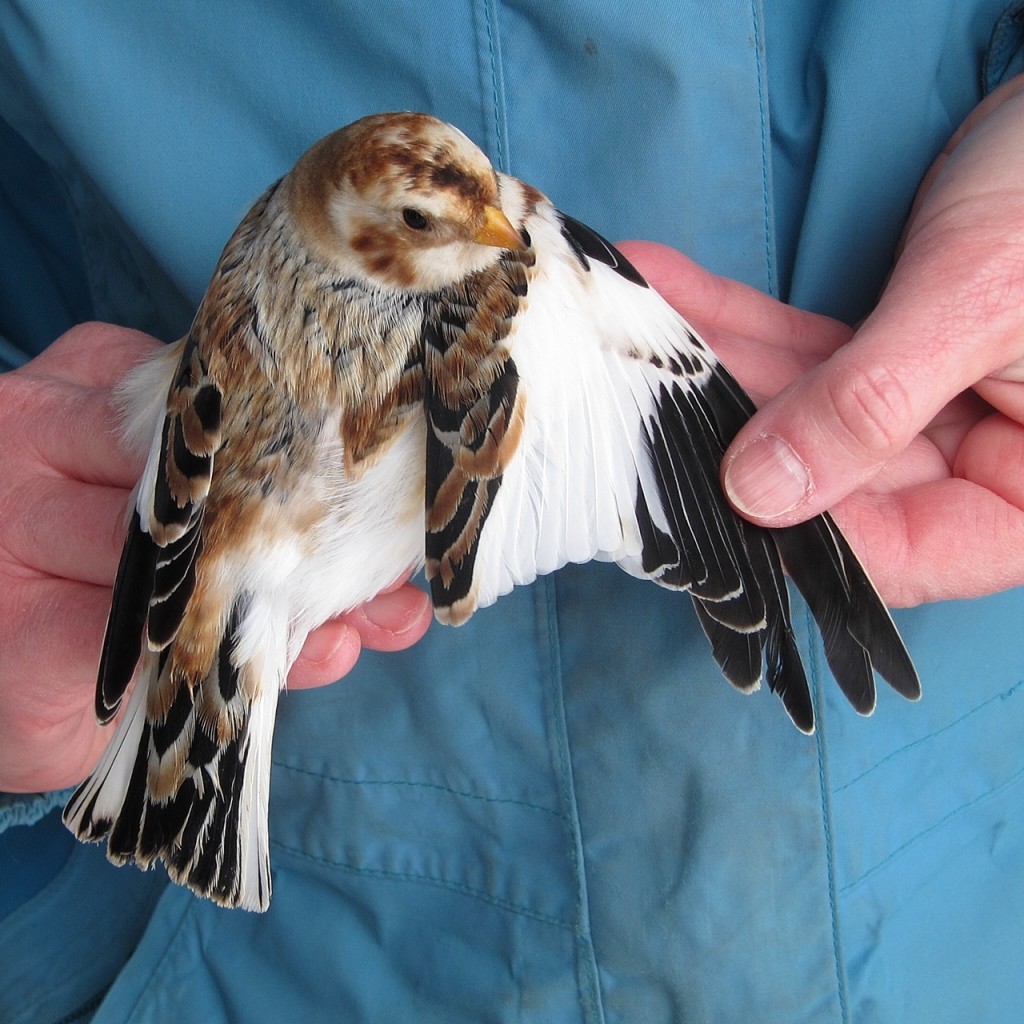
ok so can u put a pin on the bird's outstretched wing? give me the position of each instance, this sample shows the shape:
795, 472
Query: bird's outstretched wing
596, 429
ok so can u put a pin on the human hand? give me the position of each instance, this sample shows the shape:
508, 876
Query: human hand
64, 488
922, 412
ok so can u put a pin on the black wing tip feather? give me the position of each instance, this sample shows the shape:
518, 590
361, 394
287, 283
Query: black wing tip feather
737, 652
858, 634
786, 677
905, 681
122, 642
771, 653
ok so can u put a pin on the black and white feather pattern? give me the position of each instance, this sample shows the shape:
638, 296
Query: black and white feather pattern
627, 417
173, 783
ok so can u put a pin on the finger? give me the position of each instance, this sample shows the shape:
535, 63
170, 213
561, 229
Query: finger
60, 404
94, 355
392, 621
59, 755
329, 653
988, 106
39, 519
82, 441
1005, 395
50, 637
721, 306
70, 429
834, 428
992, 456
975, 547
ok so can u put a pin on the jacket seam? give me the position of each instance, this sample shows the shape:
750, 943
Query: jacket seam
591, 1005
827, 822
441, 883
406, 783
757, 19
1012, 782
493, 83
1003, 695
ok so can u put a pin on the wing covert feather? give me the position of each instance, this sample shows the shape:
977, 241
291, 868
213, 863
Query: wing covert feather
474, 409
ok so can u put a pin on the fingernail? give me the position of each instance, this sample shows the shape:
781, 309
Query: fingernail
395, 612
766, 478
322, 643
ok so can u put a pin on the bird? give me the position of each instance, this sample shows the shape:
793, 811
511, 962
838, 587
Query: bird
406, 359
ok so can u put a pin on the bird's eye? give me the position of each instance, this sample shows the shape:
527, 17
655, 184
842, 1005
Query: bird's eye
415, 219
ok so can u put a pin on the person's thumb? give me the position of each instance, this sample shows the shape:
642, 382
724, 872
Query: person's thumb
822, 438
836, 426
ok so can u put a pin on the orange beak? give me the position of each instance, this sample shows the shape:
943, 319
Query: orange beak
497, 230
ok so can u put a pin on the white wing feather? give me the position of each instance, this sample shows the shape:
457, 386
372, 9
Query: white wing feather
586, 349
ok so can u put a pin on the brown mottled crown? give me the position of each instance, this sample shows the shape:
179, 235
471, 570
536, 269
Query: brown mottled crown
415, 152
398, 153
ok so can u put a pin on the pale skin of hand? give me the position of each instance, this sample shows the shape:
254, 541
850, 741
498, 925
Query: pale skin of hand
64, 489
910, 428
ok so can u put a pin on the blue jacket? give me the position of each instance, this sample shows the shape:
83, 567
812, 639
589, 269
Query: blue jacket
559, 813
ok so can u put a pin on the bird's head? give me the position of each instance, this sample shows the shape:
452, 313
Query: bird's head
403, 200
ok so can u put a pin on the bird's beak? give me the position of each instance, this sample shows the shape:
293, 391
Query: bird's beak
497, 230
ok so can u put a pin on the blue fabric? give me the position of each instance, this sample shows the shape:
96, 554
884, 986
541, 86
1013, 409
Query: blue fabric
559, 812
39, 246
29, 859
861, 91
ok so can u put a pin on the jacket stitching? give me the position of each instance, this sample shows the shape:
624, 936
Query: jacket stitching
1004, 695
442, 883
827, 824
417, 785
1010, 783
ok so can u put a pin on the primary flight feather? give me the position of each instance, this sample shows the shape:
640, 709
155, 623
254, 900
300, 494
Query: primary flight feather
405, 358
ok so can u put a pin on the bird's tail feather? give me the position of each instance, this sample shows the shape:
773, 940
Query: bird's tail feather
96, 804
189, 786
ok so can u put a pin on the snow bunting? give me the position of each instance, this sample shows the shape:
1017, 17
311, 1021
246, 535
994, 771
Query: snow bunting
403, 359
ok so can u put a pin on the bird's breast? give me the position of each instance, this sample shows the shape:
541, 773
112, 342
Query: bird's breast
356, 534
